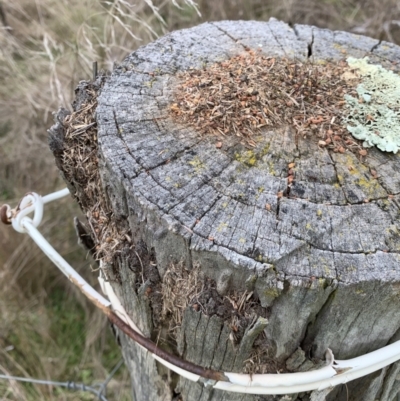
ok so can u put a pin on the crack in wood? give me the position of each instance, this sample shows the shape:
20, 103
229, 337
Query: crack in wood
229, 35
313, 263
374, 47
310, 45
307, 342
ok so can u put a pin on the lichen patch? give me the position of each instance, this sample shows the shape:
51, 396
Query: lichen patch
374, 115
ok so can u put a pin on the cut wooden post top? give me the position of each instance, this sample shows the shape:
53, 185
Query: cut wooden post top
265, 176
266, 156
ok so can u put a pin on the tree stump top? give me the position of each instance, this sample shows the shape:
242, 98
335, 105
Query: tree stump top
285, 213
223, 186
286, 203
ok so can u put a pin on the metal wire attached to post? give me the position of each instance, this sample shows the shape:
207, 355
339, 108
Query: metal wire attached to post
97, 389
335, 372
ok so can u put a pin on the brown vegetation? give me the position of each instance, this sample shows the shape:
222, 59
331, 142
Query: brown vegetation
250, 92
48, 330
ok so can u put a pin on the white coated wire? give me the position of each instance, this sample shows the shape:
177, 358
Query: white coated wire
336, 372
63, 265
33, 202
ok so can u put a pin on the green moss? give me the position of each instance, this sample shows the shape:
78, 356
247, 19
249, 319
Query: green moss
271, 168
247, 157
385, 204
197, 164
260, 190
271, 293
251, 157
394, 235
375, 116
368, 186
264, 150
322, 282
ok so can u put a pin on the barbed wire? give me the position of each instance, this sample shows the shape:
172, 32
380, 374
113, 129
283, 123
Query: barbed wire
97, 389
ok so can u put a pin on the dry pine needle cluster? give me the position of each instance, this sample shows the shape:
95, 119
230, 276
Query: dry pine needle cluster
242, 95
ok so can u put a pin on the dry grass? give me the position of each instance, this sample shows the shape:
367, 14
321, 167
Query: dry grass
378, 19
180, 288
46, 47
80, 165
48, 329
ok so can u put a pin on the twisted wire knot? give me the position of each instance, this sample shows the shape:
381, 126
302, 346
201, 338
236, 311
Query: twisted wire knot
31, 202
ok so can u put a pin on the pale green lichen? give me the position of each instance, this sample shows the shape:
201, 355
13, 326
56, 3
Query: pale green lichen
247, 157
197, 164
251, 158
375, 116
222, 226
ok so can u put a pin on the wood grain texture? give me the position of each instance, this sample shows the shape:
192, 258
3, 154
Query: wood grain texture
323, 258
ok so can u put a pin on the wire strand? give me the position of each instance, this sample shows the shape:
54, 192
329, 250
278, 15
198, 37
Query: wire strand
335, 372
68, 385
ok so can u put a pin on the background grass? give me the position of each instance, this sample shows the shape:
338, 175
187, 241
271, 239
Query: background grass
48, 330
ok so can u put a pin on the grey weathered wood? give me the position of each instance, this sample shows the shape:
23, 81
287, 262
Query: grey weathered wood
323, 261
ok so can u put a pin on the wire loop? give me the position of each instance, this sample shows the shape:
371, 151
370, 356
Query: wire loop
335, 372
31, 202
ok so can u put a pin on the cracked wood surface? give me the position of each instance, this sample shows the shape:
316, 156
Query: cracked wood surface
323, 257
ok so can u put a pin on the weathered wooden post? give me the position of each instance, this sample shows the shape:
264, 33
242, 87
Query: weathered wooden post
241, 224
